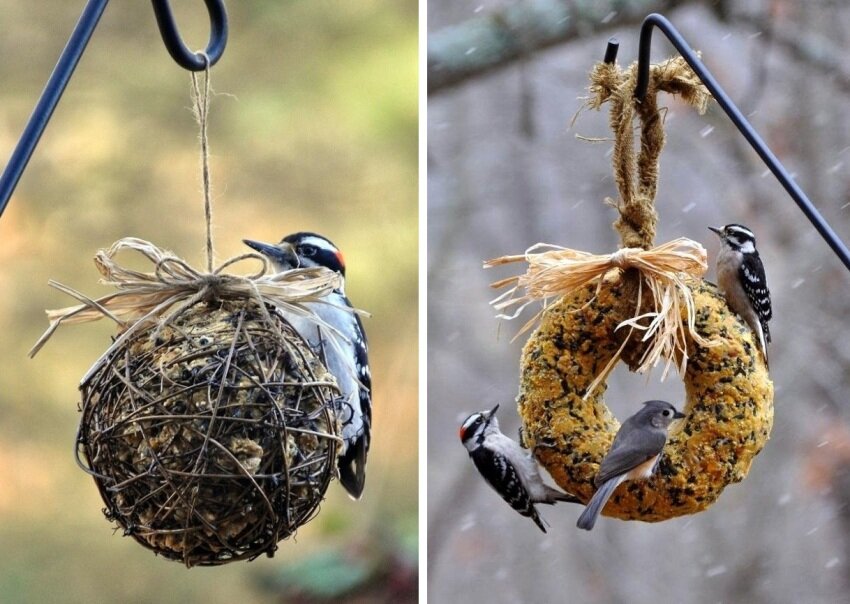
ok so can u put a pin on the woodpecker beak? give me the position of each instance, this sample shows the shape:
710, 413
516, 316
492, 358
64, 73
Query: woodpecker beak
492, 412
282, 255
678, 415
719, 232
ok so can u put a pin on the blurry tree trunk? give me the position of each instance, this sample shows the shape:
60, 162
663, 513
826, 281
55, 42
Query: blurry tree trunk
498, 38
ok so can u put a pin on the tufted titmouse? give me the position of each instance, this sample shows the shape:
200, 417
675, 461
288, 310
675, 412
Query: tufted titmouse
633, 455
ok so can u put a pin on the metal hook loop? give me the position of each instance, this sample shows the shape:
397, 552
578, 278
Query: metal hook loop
725, 102
174, 43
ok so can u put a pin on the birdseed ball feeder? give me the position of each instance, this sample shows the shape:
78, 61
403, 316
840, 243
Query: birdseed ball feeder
641, 305
209, 426
215, 439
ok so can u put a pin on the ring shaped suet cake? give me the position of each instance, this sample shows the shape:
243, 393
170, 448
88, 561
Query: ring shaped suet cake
729, 401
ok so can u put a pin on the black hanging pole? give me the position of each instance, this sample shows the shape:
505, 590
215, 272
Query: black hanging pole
71, 56
611, 50
756, 142
49, 98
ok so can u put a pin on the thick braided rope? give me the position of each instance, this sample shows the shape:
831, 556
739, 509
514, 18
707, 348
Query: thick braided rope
637, 176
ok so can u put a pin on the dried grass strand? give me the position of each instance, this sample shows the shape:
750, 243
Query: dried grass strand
174, 286
555, 271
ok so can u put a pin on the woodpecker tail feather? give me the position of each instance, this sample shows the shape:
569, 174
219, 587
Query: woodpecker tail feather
537, 519
352, 467
764, 337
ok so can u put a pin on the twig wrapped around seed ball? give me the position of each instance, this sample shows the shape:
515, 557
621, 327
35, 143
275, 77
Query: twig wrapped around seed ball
209, 426
213, 441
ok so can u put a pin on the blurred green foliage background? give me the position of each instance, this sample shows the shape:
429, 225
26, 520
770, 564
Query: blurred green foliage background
313, 126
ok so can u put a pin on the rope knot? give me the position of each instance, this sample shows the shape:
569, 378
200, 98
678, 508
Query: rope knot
174, 286
636, 174
623, 257
212, 279
555, 271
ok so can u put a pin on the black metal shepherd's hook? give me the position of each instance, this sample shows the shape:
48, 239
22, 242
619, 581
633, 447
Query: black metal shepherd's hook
796, 193
173, 42
71, 56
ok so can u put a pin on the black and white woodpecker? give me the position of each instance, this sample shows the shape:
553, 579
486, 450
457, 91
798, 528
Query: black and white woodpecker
511, 470
741, 278
345, 358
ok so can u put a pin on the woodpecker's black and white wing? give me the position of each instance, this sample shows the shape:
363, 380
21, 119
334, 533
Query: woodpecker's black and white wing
339, 340
754, 282
352, 463
501, 474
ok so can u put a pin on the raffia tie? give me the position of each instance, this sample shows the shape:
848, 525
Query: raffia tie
173, 286
555, 271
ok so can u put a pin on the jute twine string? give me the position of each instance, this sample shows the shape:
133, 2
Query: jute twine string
555, 271
201, 108
161, 295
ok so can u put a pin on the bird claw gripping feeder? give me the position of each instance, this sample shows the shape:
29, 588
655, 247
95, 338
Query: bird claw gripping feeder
210, 426
643, 305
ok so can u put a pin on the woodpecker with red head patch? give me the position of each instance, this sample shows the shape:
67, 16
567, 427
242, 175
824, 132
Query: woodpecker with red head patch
511, 470
346, 359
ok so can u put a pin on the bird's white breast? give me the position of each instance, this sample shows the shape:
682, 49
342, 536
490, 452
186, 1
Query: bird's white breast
729, 281
337, 352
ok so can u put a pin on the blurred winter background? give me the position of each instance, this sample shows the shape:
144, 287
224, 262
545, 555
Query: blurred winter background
314, 126
506, 171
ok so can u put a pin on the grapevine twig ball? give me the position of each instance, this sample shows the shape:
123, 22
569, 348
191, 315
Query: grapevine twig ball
214, 440
210, 427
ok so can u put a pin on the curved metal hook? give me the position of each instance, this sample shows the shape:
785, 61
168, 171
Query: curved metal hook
193, 61
731, 110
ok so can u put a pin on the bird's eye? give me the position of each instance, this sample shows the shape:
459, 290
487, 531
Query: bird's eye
308, 250
666, 413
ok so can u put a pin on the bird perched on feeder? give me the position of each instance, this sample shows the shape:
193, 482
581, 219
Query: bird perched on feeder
634, 455
741, 278
508, 468
346, 358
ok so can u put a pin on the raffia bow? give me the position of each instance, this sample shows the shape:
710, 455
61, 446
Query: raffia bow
559, 271
158, 297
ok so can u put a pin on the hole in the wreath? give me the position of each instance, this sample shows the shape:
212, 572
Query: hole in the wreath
627, 390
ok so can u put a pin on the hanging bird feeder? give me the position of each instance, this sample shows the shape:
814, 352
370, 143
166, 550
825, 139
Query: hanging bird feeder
210, 426
642, 306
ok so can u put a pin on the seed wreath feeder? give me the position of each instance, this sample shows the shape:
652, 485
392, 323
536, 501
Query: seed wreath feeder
643, 305
210, 427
